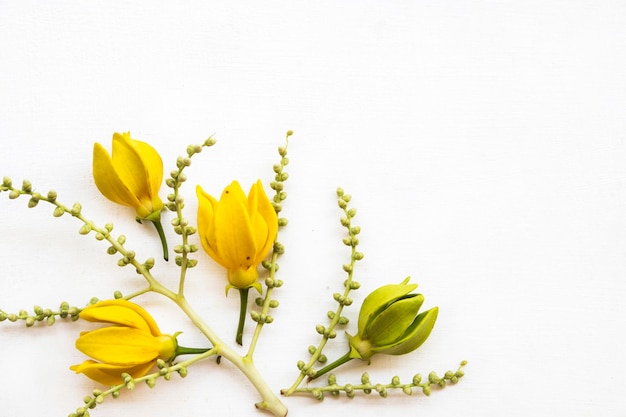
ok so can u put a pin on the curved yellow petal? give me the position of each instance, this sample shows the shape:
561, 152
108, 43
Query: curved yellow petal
107, 374
108, 181
206, 224
129, 165
121, 312
119, 345
233, 234
154, 167
265, 210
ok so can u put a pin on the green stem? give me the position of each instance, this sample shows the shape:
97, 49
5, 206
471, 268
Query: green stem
345, 358
243, 308
182, 350
159, 228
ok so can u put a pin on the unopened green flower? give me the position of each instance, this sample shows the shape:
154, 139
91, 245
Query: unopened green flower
389, 322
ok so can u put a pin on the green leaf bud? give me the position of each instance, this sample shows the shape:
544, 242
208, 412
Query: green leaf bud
58, 212
50, 320
417, 379
30, 321
395, 380
426, 390
351, 213
342, 204
14, 194
85, 229
183, 372
33, 202
407, 390
301, 365
312, 349
6, 181
340, 191
209, 142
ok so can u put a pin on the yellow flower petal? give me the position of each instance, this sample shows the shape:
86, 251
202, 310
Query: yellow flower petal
206, 224
233, 234
267, 229
123, 313
110, 374
119, 345
108, 181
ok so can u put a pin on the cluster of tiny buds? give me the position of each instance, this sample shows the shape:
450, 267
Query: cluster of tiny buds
382, 389
42, 314
280, 177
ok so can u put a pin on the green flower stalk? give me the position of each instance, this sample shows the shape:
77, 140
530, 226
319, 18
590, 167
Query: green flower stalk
389, 323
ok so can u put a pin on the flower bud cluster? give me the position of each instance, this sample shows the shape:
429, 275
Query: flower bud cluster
42, 314
367, 387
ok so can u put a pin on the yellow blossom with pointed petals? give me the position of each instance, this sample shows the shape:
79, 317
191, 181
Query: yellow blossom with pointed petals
237, 231
131, 345
131, 175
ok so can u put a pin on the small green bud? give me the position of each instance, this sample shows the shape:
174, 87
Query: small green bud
322, 359
149, 263
50, 320
346, 198
151, 382
274, 303
33, 202
312, 349
52, 196
14, 194
395, 380
351, 213
117, 295
183, 372
111, 250
85, 229
282, 151
320, 329
6, 181
365, 378
301, 365
358, 256
417, 379
426, 390
76, 209
27, 187
30, 321
407, 390
332, 379
209, 142
342, 204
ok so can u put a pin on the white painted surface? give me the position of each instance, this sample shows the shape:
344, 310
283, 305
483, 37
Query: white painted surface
484, 144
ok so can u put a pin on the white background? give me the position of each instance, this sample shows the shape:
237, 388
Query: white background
483, 143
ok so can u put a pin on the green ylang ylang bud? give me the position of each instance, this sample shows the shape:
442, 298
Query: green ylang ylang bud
389, 322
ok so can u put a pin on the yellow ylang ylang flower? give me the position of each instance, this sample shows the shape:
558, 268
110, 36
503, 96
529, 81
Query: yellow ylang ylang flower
131, 176
131, 345
238, 232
